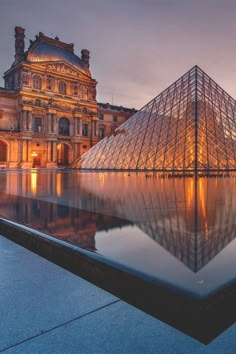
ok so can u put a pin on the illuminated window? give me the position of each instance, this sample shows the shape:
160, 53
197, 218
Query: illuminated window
37, 82
62, 88
37, 125
85, 129
64, 126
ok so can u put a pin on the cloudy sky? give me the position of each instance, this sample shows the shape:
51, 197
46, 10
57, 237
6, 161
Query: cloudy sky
137, 47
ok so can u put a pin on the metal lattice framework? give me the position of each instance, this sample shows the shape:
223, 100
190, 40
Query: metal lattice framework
188, 127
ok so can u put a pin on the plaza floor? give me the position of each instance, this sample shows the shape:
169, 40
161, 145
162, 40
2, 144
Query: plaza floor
46, 309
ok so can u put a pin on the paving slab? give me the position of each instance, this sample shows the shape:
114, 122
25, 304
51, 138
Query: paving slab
120, 328
46, 309
36, 295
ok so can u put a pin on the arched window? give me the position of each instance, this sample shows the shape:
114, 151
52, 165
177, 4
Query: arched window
37, 82
62, 88
3, 151
64, 126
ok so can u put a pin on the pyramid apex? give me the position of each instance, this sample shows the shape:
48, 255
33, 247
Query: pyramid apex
196, 68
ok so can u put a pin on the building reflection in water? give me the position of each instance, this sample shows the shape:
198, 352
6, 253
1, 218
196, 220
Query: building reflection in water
192, 220
18, 202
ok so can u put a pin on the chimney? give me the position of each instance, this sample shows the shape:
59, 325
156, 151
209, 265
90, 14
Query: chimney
19, 43
85, 57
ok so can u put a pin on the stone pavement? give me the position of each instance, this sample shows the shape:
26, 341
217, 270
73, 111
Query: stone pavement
46, 309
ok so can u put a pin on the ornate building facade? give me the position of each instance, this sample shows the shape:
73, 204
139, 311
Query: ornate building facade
49, 115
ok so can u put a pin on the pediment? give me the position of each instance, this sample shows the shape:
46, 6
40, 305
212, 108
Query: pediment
62, 67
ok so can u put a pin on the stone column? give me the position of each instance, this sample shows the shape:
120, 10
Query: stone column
26, 154
48, 151
95, 128
20, 151
79, 150
55, 126
95, 132
92, 128
71, 127
23, 120
24, 150
80, 127
29, 150
96, 125
51, 148
51, 154
54, 151
76, 150
30, 123
52, 122
49, 123
75, 126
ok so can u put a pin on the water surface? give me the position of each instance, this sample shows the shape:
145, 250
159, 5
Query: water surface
173, 231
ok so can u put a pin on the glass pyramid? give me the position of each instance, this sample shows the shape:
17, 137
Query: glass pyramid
188, 127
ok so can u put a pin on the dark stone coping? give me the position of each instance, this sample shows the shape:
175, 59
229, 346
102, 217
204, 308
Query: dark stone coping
201, 318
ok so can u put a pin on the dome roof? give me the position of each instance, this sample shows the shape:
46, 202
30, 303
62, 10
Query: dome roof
43, 52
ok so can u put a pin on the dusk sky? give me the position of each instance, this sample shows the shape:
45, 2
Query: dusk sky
137, 47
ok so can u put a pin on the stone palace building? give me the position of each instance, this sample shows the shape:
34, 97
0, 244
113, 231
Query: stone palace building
49, 115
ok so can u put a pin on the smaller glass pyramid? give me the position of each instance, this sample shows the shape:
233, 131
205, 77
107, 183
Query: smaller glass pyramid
188, 127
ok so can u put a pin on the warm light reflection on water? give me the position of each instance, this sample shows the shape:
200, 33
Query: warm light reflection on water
34, 177
139, 216
58, 184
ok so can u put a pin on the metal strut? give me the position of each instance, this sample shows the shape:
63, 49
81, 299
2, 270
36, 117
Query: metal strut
196, 127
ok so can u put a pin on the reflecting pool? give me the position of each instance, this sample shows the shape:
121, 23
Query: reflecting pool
177, 232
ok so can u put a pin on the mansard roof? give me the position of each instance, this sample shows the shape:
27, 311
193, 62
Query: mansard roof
46, 49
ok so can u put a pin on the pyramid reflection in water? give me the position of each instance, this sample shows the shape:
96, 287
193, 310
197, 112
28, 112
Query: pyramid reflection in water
188, 127
193, 220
